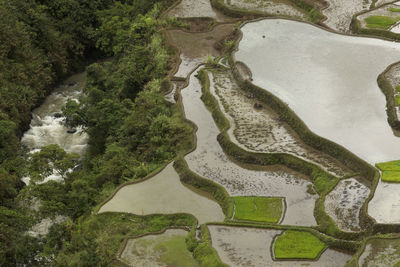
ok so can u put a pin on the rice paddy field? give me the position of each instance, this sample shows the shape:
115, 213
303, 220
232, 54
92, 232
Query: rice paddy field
251, 212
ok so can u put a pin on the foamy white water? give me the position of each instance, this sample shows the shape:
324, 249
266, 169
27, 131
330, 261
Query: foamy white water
47, 126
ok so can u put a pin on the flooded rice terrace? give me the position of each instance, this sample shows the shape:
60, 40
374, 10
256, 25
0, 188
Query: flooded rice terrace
241, 246
172, 197
209, 161
328, 80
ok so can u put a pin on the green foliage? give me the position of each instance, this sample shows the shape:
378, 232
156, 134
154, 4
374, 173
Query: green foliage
96, 240
204, 253
390, 171
382, 22
393, 9
48, 160
40, 42
297, 245
262, 209
12, 224
398, 88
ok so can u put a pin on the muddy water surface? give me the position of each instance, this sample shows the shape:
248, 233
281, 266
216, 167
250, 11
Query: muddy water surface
209, 161
385, 205
240, 246
328, 79
163, 194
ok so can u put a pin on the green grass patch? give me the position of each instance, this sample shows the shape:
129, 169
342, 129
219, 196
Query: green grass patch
393, 9
390, 171
398, 88
398, 99
298, 245
175, 253
260, 209
381, 22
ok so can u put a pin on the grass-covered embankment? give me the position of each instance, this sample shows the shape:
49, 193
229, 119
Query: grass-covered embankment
215, 190
391, 100
259, 209
297, 245
202, 250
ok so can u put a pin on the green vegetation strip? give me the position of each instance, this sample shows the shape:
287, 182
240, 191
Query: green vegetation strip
202, 250
298, 245
391, 100
390, 171
393, 9
381, 22
263, 209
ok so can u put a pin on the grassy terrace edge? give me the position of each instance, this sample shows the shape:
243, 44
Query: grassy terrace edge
323, 181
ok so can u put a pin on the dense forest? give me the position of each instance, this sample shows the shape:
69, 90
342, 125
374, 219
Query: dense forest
132, 131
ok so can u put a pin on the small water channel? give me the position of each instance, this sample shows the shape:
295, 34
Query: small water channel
47, 126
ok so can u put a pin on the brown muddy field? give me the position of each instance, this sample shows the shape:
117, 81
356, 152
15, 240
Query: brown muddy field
195, 47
